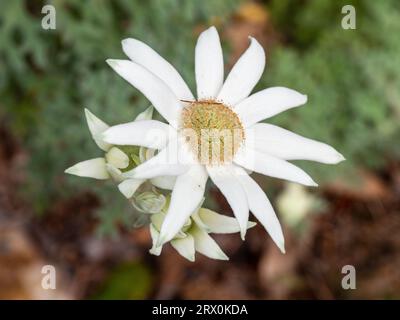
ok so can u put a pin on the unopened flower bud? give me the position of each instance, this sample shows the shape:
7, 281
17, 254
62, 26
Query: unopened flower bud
149, 202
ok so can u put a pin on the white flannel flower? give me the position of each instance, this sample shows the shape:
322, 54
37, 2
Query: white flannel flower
117, 158
194, 235
222, 106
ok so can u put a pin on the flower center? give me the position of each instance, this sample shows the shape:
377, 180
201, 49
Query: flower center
212, 130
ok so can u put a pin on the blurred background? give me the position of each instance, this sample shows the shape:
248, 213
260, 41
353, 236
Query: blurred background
83, 227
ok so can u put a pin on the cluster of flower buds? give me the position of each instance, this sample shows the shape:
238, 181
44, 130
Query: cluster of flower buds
150, 198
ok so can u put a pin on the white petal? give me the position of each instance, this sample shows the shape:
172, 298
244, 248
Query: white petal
154, 169
185, 247
96, 127
144, 55
146, 114
287, 145
185, 198
206, 245
164, 182
244, 75
262, 209
271, 166
93, 168
209, 64
225, 180
168, 162
147, 133
117, 158
159, 94
267, 103
218, 223
156, 250
129, 186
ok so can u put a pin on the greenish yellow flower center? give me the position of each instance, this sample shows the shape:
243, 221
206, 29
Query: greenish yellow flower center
212, 130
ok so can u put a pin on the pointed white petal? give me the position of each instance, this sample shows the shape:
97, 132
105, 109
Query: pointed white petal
147, 133
209, 64
218, 223
244, 75
271, 166
144, 55
96, 127
267, 103
129, 186
93, 168
168, 162
262, 209
186, 196
153, 169
117, 158
185, 247
145, 115
206, 245
156, 90
287, 145
164, 182
225, 180
156, 250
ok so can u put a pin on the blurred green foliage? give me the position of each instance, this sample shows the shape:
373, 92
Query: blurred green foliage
129, 281
47, 77
352, 78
